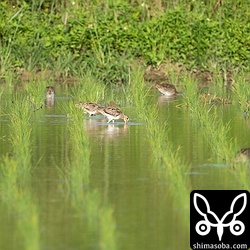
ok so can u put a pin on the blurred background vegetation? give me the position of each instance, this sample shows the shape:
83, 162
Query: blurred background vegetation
71, 37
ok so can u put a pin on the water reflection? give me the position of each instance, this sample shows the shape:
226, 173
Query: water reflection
167, 100
49, 102
107, 130
113, 131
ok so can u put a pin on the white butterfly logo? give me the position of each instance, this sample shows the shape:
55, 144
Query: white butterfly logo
203, 227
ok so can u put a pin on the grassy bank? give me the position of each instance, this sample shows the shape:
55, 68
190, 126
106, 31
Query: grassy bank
67, 37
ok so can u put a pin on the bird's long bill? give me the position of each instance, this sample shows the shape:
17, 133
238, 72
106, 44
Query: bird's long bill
126, 119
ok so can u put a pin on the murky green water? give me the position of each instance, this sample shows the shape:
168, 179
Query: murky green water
122, 172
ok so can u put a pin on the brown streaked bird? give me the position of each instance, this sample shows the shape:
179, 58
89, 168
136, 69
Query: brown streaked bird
50, 92
113, 113
90, 107
167, 89
50, 95
243, 155
214, 99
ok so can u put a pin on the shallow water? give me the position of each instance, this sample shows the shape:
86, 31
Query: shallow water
122, 172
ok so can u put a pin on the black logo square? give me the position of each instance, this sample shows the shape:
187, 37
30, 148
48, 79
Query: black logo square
219, 219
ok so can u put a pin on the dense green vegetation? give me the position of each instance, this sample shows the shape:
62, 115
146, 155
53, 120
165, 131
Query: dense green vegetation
110, 41
70, 37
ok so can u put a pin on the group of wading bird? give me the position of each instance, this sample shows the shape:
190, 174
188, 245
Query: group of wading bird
114, 113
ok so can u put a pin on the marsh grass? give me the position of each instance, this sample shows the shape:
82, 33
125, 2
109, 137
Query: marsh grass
83, 199
216, 131
168, 162
15, 182
89, 89
79, 170
20, 115
9, 172
241, 173
217, 135
35, 91
1, 93
242, 90
15, 174
212, 125
191, 98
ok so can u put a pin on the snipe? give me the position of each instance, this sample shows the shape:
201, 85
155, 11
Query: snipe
90, 107
113, 113
166, 89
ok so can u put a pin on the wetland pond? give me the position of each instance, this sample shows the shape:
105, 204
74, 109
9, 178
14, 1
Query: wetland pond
122, 174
